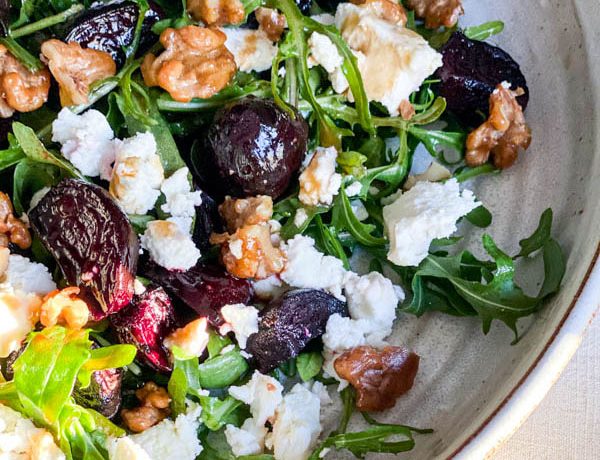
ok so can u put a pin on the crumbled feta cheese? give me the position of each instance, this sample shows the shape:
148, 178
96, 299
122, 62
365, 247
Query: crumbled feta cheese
262, 393
87, 141
184, 223
138, 287
20, 439
37, 197
395, 60
242, 320
325, 18
359, 210
319, 182
180, 200
137, 174
169, 246
427, 211
251, 49
125, 449
321, 391
300, 217
434, 173
26, 276
268, 288
173, 440
342, 333
249, 439
191, 339
297, 425
308, 268
324, 53
353, 189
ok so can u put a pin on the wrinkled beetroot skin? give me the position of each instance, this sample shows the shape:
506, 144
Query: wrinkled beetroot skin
92, 241
204, 288
208, 221
289, 323
471, 71
104, 392
145, 323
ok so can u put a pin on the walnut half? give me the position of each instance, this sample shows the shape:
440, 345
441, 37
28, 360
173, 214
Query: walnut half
217, 12
76, 69
504, 132
195, 63
437, 13
388, 10
12, 229
379, 376
154, 408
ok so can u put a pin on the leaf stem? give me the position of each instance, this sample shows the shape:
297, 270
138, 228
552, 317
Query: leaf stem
46, 22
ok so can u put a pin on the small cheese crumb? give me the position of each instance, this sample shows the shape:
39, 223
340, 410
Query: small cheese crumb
181, 201
353, 189
251, 49
169, 246
427, 211
192, 339
300, 217
87, 141
242, 320
262, 393
319, 182
249, 439
26, 276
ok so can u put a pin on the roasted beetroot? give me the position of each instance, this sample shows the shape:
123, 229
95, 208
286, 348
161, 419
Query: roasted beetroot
145, 323
111, 27
289, 323
253, 147
92, 241
204, 288
471, 71
103, 394
207, 222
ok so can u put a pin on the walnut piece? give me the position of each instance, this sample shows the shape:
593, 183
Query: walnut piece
271, 22
76, 69
154, 408
504, 132
65, 308
388, 10
217, 12
246, 211
195, 63
21, 89
379, 376
12, 229
249, 252
437, 13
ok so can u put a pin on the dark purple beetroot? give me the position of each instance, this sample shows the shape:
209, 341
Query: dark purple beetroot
253, 147
103, 394
145, 323
4, 17
111, 27
204, 288
471, 71
289, 323
92, 241
207, 221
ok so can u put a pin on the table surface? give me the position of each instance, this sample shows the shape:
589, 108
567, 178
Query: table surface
566, 426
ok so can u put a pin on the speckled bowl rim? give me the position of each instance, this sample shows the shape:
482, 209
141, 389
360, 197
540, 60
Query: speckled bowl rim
545, 370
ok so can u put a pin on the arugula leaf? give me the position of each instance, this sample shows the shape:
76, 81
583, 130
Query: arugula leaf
344, 218
216, 343
480, 217
185, 379
309, 365
540, 237
46, 22
111, 357
10, 157
222, 370
30, 177
216, 412
484, 31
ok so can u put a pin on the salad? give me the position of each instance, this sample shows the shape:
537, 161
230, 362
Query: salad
187, 192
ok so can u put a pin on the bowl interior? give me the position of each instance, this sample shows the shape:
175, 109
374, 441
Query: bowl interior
465, 375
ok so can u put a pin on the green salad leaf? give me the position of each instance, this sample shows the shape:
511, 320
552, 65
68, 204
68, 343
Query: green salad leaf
484, 31
309, 365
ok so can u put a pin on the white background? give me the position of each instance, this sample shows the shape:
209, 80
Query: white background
566, 426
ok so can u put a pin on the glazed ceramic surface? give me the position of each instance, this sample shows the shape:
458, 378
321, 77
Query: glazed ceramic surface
475, 390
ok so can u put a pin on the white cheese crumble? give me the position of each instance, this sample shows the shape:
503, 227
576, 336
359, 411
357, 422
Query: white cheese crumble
251, 49
137, 174
394, 61
319, 182
242, 320
359, 210
26, 276
172, 440
181, 201
427, 211
20, 439
297, 425
308, 268
300, 217
434, 173
125, 449
87, 141
353, 189
249, 439
169, 246
262, 393
191, 339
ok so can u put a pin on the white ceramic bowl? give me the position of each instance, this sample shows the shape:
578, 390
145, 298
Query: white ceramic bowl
476, 390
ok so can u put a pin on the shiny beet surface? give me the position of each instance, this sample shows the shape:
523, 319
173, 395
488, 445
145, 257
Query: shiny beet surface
471, 71
92, 241
111, 27
104, 393
254, 147
289, 323
203, 288
208, 221
145, 323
